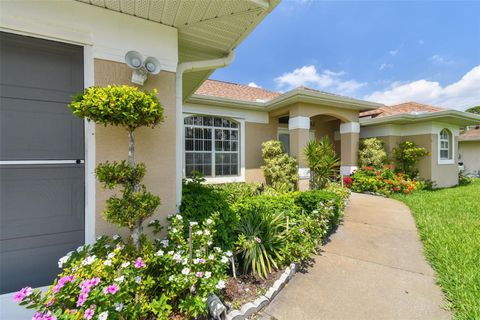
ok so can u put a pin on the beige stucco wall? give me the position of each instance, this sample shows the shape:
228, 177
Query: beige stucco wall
349, 144
470, 156
154, 147
255, 135
311, 110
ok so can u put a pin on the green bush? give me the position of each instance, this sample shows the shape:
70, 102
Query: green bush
240, 190
372, 153
383, 181
406, 156
200, 201
315, 201
322, 161
280, 170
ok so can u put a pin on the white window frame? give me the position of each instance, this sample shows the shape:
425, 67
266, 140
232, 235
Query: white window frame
241, 149
451, 147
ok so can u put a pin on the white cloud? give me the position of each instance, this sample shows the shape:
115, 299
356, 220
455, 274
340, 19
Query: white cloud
384, 66
436, 58
326, 80
421, 42
458, 95
393, 52
253, 84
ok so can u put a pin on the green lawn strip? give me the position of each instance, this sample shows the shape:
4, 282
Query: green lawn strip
448, 221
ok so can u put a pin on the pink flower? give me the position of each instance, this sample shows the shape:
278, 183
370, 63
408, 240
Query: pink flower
89, 313
111, 289
201, 260
43, 316
258, 239
302, 230
22, 294
82, 298
49, 303
199, 274
139, 263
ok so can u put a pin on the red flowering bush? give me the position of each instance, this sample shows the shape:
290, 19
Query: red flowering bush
384, 181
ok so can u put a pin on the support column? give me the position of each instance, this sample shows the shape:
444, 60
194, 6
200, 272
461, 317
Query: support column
349, 141
299, 128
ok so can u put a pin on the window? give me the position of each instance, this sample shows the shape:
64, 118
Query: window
445, 145
211, 146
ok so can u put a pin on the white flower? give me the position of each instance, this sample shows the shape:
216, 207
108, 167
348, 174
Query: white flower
63, 260
228, 253
159, 253
171, 278
125, 264
164, 242
199, 232
120, 246
116, 237
185, 271
179, 217
138, 279
224, 259
119, 279
177, 257
106, 246
208, 274
220, 284
209, 243
174, 230
209, 221
204, 299
193, 223
79, 248
108, 262
217, 249
195, 261
118, 306
111, 255
88, 260
152, 222
170, 253
184, 261
211, 257
207, 232
103, 315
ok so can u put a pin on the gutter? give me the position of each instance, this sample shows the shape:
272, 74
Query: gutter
182, 68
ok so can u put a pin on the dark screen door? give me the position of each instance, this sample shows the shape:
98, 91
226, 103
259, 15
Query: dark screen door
41, 159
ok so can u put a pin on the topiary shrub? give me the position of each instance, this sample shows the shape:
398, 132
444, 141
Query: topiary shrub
322, 161
406, 157
372, 153
279, 169
129, 108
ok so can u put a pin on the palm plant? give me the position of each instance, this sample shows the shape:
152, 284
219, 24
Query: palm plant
261, 241
322, 161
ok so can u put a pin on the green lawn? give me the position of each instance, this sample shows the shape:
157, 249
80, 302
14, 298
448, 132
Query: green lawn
449, 224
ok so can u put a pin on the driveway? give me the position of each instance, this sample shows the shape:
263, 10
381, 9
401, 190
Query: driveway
372, 268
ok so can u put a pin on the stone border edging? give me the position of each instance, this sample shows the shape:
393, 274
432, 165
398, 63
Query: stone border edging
250, 308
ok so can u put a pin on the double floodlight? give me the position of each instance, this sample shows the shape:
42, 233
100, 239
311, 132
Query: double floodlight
141, 68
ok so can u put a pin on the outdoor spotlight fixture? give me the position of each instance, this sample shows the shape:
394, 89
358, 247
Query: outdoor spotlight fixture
141, 68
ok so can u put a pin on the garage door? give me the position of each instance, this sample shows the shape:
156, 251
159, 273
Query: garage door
41, 159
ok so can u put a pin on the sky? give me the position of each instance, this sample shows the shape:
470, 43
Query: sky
383, 51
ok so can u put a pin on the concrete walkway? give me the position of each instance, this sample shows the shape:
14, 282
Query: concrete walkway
373, 268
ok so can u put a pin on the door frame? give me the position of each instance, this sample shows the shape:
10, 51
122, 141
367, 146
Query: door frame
89, 136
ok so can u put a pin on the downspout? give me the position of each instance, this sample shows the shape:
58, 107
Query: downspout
181, 68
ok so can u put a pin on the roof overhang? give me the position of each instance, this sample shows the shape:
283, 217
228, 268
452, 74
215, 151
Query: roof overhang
207, 29
459, 118
287, 99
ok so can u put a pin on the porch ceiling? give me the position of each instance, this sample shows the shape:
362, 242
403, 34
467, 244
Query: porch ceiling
207, 29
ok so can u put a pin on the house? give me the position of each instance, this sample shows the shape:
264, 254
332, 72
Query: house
436, 129
469, 150
51, 50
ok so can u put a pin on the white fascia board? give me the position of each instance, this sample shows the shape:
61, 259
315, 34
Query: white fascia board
448, 116
230, 112
225, 102
299, 123
111, 34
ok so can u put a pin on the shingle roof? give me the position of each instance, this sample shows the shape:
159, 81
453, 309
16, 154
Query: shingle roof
235, 91
472, 134
407, 107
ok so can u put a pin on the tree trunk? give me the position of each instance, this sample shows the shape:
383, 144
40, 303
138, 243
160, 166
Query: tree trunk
136, 232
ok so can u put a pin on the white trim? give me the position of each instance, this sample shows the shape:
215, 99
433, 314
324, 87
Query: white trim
412, 129
248, 115
452, 146
304, 173
11, 310
349, 127
347, 170
299, 123
90, 151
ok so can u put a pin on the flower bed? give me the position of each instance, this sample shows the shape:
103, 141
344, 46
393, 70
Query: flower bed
381, 181
172, 278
